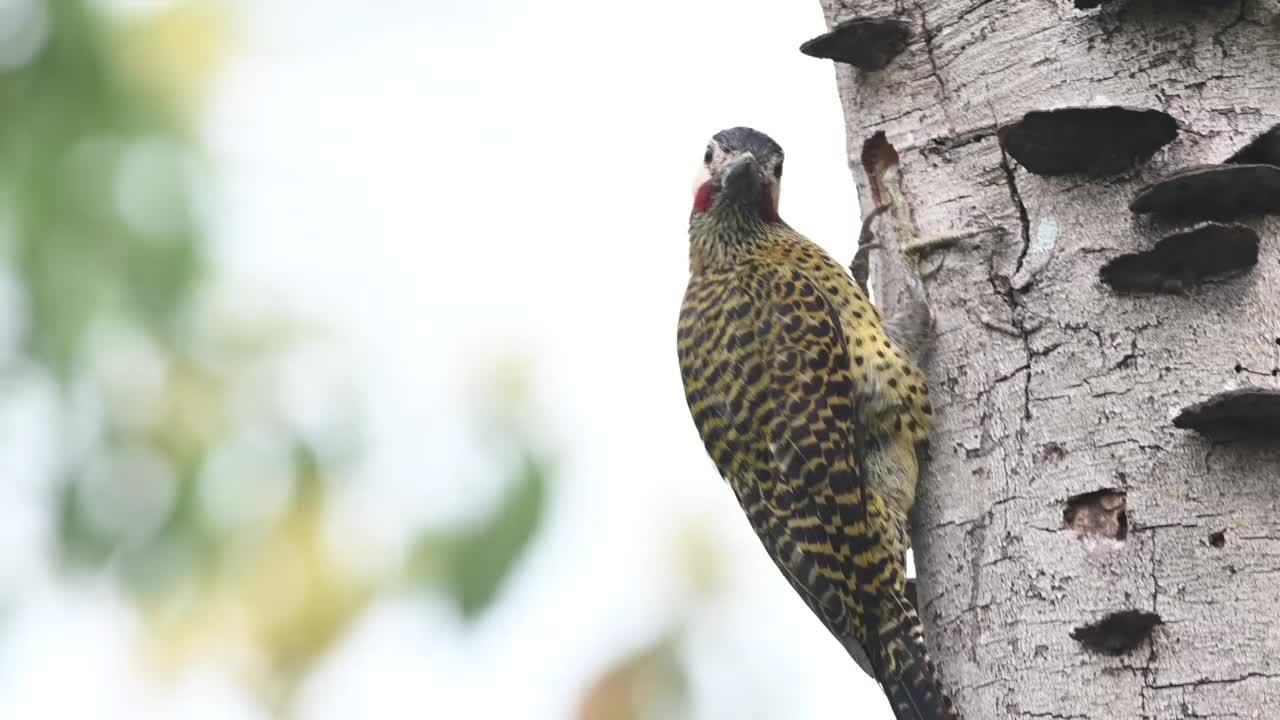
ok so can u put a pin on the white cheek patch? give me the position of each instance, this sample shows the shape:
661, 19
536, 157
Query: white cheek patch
777, 193
700, 177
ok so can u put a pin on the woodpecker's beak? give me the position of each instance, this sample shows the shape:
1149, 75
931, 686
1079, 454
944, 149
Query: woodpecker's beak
740, 169
742, 178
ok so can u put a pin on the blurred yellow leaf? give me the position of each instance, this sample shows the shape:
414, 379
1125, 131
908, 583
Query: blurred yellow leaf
192, 414
273, 611
174, 52
699, 554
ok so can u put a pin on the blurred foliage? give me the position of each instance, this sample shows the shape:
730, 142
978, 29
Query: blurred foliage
471, 563
178, 473
174, 51
649, 685
280, 602
97, 186
100, 177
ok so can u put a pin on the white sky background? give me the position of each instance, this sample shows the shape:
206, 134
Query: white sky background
447, 180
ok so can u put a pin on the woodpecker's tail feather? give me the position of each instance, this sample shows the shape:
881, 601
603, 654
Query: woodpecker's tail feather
908, 676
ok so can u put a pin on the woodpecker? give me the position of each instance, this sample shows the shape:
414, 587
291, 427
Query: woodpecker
810, 410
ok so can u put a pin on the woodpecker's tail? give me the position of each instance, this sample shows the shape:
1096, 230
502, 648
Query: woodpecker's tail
908, 676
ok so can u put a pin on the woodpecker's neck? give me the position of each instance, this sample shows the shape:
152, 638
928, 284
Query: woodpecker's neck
721, 235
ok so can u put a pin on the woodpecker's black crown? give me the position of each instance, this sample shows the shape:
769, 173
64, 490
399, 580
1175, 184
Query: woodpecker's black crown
745, 139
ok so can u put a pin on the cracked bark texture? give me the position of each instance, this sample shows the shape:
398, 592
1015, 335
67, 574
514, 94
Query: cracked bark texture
1049, 385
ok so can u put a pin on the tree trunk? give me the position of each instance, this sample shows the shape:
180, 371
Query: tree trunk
1079, 555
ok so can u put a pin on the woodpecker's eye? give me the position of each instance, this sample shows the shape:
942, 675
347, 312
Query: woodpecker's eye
706, 159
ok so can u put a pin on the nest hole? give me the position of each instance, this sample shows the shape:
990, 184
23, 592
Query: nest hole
1218, 539
1101, 513
1117, 633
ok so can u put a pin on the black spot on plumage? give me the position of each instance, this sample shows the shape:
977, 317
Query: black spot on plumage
714, 373
912, 426
893, 382
714, 436
880, 354
858, 360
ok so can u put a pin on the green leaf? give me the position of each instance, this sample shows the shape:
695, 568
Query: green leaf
472, 564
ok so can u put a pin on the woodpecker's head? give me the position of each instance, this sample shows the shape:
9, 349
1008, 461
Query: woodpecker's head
741, 172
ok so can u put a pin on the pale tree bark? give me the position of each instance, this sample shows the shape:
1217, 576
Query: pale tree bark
1060, 494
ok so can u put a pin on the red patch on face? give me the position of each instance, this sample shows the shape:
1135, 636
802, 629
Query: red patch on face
705, 198
702, 199
769, 211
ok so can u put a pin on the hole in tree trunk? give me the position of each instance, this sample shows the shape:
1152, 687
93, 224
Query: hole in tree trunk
1117, 633
1102, 513
1218, 539
878, 157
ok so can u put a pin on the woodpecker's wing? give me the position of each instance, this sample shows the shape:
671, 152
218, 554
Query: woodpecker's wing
767, 375
815, 438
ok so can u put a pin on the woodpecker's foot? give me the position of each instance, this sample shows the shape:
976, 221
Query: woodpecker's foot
861, 265
922, 246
